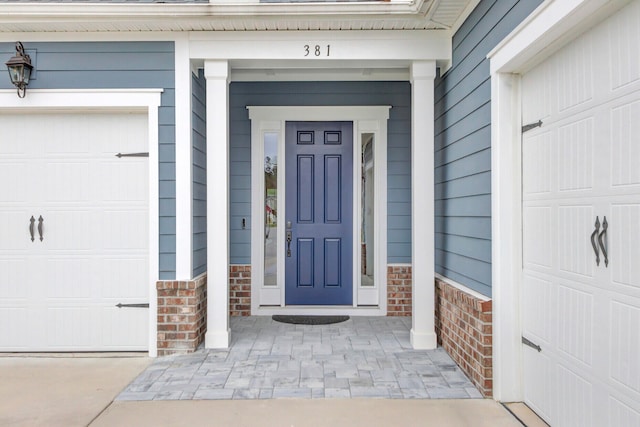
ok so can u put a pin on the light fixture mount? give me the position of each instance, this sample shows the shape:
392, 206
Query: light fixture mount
19, 67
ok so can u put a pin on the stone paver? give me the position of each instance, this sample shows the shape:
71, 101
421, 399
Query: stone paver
364, 357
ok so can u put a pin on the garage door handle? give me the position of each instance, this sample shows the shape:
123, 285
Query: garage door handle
40, 221
593, 241
32, 222
603, 242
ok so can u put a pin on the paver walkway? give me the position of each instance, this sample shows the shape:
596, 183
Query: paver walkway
364, 357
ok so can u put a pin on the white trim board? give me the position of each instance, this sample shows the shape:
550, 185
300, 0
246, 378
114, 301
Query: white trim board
110, 100
366, 119
548, 28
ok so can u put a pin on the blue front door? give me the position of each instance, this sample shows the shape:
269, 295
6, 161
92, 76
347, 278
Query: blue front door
318, 217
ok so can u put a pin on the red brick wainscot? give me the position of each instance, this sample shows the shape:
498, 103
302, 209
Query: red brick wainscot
399, 290
182, 315
464, 329
239, 290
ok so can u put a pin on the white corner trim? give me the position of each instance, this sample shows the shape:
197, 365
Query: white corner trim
111, 100
184, 217
462, 288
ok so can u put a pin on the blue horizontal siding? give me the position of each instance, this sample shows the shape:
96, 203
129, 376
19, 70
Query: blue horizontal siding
199, 173
396, 94
463, 144
121, 65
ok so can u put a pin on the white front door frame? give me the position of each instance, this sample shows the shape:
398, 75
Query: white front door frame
148, 100
268, 300
546, 30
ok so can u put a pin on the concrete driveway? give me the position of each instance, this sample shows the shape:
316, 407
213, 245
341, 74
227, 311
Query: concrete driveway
79, 391
69, 390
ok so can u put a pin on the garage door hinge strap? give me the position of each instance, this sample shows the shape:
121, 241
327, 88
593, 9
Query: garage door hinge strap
530, 126
121, 305
119, 155
531, 344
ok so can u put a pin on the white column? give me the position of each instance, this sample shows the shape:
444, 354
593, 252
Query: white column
184, 235
217, 74
423, 335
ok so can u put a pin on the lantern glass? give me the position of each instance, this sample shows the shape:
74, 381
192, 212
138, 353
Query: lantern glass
16, 73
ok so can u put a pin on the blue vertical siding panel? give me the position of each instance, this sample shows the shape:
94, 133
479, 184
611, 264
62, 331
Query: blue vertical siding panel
463, 144
199, 172
122, 65
396, 94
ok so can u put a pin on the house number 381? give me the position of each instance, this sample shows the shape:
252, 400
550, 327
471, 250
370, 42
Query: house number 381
317, 50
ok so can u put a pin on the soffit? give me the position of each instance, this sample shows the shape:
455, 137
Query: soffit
32, 16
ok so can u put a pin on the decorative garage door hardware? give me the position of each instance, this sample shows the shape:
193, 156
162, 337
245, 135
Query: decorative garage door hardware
32, 222
143, 305
601, 240
531, 344
528, 127
119, 155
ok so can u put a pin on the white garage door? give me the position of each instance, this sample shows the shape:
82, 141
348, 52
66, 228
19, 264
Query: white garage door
580, 167
87, 250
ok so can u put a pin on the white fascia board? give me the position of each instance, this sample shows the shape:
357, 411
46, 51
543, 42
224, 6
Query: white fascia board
345, 47
11, 12
89, 36
545, 30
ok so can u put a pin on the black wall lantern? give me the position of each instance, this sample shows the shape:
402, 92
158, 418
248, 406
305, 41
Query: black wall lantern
20, 67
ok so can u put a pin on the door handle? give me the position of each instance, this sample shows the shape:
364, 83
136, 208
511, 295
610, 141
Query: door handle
32, 222
40, 228
602, 240
289, 243
594, 235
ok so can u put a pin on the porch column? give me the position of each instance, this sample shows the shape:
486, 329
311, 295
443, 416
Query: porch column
217, 75
423, 335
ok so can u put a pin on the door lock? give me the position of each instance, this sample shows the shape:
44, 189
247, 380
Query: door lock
289, 243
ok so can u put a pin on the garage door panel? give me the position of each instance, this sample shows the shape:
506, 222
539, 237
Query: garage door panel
125, 230
116, 330
15, 237
575, 253
15, 327
122, 279
13, 191
575, 76
538, 390
539, 87
624, 50
575, 155
621, 414
66, 182
625, 144
577, 410
73, 278
538, 314
123, 180
71, 327
60, 294
575, 327
65, 230
624, 244
624, 352
536, 176
590, 342
13, 280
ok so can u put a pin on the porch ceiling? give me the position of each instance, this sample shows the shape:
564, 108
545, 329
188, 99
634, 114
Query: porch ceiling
236, 15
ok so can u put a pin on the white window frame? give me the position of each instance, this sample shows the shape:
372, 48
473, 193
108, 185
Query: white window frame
369, 300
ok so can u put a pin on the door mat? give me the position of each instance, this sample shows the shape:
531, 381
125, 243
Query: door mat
309, 320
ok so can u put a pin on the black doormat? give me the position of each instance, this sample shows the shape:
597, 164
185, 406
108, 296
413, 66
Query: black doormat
309, 320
